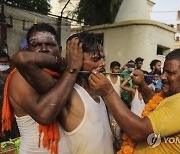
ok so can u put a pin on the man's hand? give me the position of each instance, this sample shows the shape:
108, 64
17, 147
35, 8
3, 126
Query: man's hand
100, 84
138, 77
74, 54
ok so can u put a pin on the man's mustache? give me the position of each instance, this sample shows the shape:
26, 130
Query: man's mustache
101, 70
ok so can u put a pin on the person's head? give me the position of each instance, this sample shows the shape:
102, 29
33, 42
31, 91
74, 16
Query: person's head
131, 62
155, 65
139, 62
156, 76
4, 61
171, 73
93, 52
130, 66
43, 38
115, 66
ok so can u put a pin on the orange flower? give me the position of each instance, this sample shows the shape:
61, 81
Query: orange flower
128, 144
119, 152
124, 136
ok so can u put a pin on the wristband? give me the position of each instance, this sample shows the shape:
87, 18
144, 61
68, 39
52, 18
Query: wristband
72, 70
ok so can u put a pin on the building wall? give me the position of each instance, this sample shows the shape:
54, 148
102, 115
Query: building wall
136, 41
150, 5
177, 36
130, 39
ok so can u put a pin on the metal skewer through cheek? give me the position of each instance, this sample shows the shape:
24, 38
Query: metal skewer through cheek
114, 73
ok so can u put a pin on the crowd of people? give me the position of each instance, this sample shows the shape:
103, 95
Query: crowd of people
123, 84
126, 86
79, 108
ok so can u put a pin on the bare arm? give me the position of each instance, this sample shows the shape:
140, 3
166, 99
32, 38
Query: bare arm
42, 108
124, 86
30, 65
136, 128
46, 102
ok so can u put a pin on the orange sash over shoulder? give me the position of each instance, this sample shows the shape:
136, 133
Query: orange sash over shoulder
51, 132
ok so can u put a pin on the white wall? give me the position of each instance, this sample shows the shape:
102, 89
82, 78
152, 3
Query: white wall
136, 41
130, 39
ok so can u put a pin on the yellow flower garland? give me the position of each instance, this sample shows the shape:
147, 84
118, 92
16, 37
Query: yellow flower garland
128, 144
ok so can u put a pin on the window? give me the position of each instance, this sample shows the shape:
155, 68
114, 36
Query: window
177, 38
162, 50
178, 15
178, 27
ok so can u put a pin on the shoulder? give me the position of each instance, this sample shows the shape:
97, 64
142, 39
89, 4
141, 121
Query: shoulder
16, 81
108, 77
75, 97
19, 91
73, 112
174, 99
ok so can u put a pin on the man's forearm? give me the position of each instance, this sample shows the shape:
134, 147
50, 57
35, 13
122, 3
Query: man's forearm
136, 128
55, 98
138, 79
42, 60
30, 66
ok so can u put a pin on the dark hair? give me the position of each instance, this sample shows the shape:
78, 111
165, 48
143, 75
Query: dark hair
114, 63
72, 36
139, 59
4, 55
175, 54
131, 61
91, 43
42, 27
154, 62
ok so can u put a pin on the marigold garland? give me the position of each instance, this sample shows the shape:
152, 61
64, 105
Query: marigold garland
128, 144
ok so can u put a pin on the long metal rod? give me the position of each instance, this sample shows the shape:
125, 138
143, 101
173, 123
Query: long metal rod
113, 73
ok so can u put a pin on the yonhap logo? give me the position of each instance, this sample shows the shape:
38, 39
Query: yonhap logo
154, 140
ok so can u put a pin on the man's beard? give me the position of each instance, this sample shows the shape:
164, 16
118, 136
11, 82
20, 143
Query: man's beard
158, 71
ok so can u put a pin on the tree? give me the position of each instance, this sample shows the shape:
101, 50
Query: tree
96, 12
40, 6
115, 4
